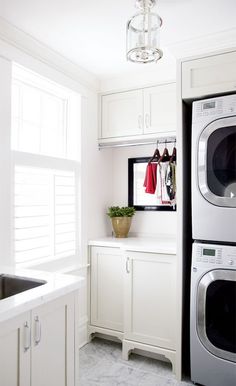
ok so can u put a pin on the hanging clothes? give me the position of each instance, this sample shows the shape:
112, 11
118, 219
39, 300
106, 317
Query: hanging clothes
171, 182
162, 191
150, 181
160, 177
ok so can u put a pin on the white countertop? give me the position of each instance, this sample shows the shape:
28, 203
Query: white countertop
160, 244
57, 285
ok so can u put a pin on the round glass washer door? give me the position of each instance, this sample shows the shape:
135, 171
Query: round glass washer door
216, 313
217, 162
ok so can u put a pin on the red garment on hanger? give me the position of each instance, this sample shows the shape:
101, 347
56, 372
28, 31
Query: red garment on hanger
150, 181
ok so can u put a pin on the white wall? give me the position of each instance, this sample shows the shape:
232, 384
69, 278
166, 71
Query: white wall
144, 222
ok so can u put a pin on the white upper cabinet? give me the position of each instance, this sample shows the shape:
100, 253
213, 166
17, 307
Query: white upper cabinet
122, 114
209, 75
160, 109
138, 114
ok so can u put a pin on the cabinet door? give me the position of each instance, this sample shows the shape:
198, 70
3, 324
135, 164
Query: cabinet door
160, 109
122, 114
150, 306
52, 361
210, 75
15, 351
107, 275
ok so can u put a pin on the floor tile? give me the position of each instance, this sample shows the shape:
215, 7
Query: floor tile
101, 364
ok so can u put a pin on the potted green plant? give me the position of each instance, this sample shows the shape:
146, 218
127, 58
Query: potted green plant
121, 218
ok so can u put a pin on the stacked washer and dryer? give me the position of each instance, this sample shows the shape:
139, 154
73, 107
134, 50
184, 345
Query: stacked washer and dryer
213, 270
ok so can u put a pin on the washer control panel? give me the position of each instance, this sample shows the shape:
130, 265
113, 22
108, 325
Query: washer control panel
214, 254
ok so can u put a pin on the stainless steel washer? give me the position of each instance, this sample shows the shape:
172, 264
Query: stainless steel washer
214, 169
213, 315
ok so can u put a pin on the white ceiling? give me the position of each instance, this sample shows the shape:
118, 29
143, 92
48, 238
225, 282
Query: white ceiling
92, 33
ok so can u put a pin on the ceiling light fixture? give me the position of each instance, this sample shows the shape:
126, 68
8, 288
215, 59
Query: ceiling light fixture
143, 34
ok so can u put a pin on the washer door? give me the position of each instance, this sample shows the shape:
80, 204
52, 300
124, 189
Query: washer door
216, 313
217, 162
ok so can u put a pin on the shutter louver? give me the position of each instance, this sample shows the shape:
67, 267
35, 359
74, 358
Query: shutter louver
44, 213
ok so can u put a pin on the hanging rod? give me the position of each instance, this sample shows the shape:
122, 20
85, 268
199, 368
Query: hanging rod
159, 141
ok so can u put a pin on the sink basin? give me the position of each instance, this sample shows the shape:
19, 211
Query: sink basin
11, 285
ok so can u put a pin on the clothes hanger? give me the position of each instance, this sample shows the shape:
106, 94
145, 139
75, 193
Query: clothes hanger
156, 156
174, 154
165, 155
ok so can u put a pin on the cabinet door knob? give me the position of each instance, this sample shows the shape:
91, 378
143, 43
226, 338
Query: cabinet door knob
147, 121
37, 336
27, 339
127, 265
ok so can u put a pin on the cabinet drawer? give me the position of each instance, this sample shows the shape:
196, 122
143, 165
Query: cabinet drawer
211, 75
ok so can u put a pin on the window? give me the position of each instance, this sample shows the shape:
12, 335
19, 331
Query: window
45, 148
45, 116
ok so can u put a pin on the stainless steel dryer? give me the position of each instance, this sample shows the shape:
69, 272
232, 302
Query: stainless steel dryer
213, 315
214, 169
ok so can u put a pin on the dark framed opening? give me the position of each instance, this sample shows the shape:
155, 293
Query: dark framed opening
221, 314
136, 192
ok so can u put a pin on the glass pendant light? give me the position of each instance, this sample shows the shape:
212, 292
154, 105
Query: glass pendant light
143, 34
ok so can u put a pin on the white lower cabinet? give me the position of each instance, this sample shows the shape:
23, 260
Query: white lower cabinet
14, 351
133, 297
107, 273
37, 348
150, 305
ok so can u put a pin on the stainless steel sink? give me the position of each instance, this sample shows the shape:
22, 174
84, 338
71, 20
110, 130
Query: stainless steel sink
11, 285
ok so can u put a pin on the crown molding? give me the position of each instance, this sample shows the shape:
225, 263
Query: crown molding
34, 48
204, 45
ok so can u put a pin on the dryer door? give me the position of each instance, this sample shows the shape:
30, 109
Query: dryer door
216, 313
217, 162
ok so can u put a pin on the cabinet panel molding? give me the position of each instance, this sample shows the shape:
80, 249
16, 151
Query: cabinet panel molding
122, 114
139, 114
38, 347
210, 75
107, 270
14, 356
150, 303
160, 109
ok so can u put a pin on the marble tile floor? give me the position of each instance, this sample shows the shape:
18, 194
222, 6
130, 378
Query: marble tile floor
101, 365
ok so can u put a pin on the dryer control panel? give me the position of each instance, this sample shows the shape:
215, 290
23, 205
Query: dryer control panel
214, 108
214, 254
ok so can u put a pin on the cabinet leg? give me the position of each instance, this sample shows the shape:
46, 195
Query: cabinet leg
126, 350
